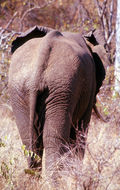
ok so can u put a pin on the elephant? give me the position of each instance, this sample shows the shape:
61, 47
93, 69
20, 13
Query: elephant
54, 78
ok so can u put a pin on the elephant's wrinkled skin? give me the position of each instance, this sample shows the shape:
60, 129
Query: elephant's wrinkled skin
53, 81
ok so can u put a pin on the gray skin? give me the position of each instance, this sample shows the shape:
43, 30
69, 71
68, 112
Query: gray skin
53, 82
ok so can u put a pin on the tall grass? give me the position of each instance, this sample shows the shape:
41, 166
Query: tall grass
99, 170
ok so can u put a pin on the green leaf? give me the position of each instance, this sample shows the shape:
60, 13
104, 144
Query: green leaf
106, 112
95, 26
23, 147
31, 153
29, 171
26, 152
37, 157
11, 161
86, 28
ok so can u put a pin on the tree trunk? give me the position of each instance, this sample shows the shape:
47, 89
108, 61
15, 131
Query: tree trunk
117, 58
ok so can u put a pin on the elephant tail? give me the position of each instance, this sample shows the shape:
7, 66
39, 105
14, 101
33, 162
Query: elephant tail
33, 100
98, 114
37, 119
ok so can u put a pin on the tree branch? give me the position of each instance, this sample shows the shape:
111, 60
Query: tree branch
106, 18
111, 16
31, 9
111, 36
9, 23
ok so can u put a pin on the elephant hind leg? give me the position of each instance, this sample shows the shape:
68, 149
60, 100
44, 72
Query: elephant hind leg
21, 112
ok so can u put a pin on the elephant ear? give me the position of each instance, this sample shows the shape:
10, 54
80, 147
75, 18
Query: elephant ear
96, 43
95, 37
100, 70
35, 32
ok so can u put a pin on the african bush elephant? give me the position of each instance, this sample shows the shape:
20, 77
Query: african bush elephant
54, 78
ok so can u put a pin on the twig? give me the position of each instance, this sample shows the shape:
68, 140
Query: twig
31, 9
87, 147
98, 7
115, 173
111, 16
9, 23
106, 19
111, 36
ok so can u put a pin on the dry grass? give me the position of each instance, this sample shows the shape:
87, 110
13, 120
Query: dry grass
100, 169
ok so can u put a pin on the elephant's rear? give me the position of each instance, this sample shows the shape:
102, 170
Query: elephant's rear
20, 73
70, 78
71, 74
64, 73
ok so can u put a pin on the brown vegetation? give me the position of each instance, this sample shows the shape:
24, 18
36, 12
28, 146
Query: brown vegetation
100, 169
